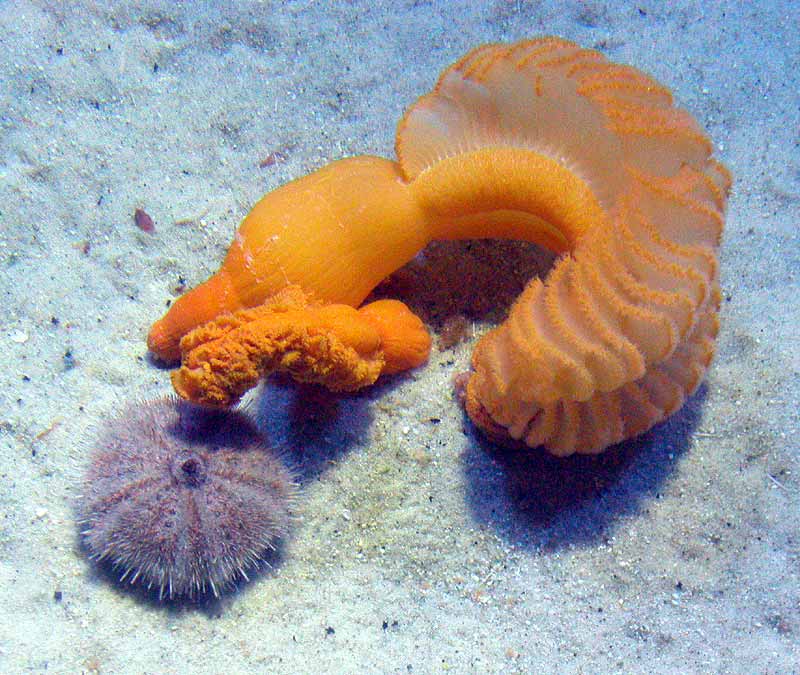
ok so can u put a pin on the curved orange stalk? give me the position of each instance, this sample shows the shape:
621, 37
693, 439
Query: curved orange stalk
317, 232
541, 141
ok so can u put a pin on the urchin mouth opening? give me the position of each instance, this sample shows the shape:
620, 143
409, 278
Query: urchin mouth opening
189, 469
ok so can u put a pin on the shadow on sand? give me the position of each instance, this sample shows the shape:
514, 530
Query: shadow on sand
538, 501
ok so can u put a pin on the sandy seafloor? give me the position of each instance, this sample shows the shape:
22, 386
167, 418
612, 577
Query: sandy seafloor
419, 548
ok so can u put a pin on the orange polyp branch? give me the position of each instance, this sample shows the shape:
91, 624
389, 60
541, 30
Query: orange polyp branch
334, 345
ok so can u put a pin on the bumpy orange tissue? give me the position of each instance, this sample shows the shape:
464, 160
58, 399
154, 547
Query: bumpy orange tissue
540, 141
334, 345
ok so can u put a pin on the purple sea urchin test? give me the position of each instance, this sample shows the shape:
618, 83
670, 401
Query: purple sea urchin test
181, 499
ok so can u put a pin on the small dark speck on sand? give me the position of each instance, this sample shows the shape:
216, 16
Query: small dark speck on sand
57, 596
69, 360
329, 630
180, 287
273, 158
143, 221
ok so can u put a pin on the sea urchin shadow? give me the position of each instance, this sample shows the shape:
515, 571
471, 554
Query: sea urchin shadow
183, 501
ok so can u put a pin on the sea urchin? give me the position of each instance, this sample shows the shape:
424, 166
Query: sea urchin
181, 499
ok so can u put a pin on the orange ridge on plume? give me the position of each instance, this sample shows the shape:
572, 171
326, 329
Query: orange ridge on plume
540, 141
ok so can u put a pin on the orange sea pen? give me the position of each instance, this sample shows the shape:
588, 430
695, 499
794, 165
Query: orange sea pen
540, 141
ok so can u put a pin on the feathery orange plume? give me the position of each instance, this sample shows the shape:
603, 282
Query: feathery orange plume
540, 141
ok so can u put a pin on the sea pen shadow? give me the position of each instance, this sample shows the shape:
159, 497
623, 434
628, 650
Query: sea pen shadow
535, 500
310, 426
528, 496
